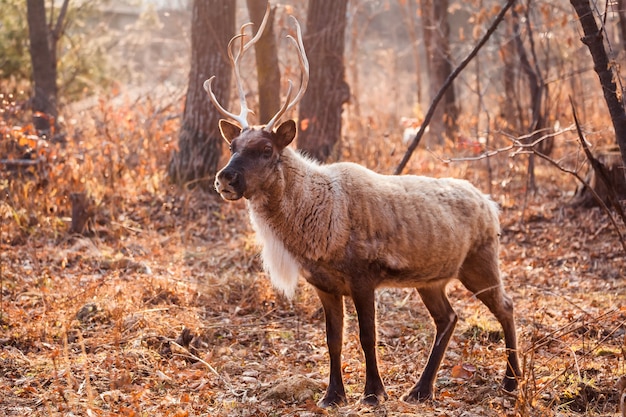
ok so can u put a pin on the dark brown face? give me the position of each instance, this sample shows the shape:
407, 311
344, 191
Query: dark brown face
252, 157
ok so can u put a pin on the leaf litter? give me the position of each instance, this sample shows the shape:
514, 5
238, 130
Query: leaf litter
163, 309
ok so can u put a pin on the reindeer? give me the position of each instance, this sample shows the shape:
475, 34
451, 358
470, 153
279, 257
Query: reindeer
348, 230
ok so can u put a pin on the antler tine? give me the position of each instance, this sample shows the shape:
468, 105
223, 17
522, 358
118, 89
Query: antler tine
268, 127
304, 65
259, 32
243, 105
242, 117
208, 88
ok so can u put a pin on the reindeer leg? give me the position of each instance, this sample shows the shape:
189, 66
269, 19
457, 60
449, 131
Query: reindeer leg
481, 275
445, 319
366, 311
333, 311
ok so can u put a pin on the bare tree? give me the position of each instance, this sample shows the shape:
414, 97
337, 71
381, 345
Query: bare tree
43, 44
321, 107
199, 141
593, 40
436, 31
268, 72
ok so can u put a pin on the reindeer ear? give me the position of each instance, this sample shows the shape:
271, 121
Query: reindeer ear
284, 134
229, 130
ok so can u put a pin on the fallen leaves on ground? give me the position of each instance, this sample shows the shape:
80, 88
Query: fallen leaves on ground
163, 309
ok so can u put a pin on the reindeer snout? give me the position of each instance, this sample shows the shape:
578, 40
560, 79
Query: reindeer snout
230, 176
230, 184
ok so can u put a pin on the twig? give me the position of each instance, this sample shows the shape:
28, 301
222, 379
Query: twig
190, 355
518, 145
16, 163
448, 83
573, 352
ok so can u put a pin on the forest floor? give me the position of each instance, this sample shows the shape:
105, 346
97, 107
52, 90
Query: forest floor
163, 309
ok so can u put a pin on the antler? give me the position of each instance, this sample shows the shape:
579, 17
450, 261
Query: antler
304, 65
242, 117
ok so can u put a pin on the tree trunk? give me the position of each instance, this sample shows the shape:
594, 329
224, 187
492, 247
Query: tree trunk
536, 85
82, 212
409, 20
437, 42
509, 103
621, 12
537, 90
593, 40
199, 141
321, 106
268, 72
43, 58
443, 62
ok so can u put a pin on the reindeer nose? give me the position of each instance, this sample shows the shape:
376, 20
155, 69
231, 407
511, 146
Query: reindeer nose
229, 176
230, 182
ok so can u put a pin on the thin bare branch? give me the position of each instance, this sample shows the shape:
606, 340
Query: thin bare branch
19, 163
58, 27
519, 146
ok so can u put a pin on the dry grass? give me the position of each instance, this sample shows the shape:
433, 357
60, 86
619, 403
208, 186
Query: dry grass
164, 310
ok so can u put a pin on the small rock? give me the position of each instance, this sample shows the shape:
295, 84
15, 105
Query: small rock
297, 388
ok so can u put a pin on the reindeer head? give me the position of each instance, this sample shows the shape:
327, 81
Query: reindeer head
255, 151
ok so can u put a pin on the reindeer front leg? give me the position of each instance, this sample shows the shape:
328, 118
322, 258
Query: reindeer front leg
445, 318
333, 311
374, 392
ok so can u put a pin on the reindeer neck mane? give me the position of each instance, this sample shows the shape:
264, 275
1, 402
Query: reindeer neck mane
302, 208
290, 181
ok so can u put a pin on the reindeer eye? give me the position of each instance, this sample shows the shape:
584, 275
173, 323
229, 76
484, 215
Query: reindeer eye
267, 152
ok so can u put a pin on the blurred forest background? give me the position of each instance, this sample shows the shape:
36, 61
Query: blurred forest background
128, 288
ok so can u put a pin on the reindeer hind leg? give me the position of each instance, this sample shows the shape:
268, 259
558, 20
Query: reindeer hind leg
481, 275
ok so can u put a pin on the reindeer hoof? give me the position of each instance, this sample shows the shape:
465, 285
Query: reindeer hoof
418, 395
330, 401
374, 399
509, 383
